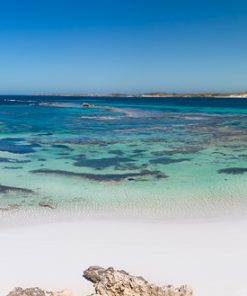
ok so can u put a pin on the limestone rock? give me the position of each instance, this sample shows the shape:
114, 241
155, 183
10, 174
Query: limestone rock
110, 282
47, 203
66, 292
27, 292
38, 292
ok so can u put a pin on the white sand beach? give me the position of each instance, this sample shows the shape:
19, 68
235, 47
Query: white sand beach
208, 256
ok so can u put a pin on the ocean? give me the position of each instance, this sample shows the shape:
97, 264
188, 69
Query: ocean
130, 157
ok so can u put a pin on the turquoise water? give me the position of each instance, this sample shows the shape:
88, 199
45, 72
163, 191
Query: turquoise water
173, 156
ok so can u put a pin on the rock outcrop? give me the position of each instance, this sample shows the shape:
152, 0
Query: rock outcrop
27, 292
110, 282
38, 292
47, 203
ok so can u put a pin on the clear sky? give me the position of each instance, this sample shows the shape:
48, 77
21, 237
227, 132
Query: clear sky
102, 46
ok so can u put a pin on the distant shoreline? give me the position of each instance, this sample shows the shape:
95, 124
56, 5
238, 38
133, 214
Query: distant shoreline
144, 95
154, 95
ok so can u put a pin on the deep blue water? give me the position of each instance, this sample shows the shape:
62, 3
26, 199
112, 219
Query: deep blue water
197, 102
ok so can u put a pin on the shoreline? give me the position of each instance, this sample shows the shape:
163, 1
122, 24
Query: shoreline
179, 212
177, 95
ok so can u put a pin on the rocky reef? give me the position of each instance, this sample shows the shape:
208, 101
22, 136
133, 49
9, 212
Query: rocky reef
111, 282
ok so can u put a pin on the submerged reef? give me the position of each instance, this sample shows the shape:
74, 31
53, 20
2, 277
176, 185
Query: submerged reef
61, 146
6, 189
183, 150
101, 163
5, 160
16, 146
233, 171
104, 177
167, 160
12, 160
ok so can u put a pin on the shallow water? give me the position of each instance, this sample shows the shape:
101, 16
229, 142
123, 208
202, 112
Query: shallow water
171, 156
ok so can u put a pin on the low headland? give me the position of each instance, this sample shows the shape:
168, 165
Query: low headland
155, 94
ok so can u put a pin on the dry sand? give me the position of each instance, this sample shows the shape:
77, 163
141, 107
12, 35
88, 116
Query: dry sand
211, 257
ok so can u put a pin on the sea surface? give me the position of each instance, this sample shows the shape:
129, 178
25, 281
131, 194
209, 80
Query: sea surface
162, 157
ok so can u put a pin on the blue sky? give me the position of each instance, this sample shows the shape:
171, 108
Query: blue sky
100, 46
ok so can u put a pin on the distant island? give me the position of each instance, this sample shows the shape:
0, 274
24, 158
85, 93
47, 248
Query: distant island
157, 94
